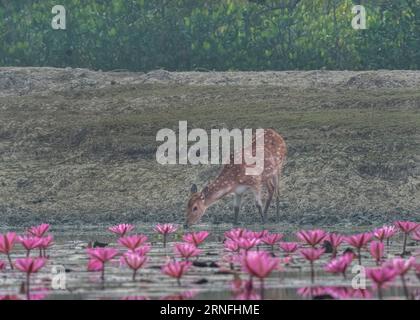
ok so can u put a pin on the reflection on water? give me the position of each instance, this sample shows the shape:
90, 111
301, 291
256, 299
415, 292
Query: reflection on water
269, 293
308, 293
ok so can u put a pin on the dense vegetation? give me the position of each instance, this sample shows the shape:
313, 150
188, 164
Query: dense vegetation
211, 34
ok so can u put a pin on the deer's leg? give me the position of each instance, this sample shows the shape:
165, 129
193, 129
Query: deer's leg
277, 192
236, 206
270, 188
258, 203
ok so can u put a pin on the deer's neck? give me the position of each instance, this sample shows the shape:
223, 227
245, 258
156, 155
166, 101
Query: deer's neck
217, 190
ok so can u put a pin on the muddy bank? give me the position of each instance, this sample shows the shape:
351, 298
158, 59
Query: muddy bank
78, 146
21, 81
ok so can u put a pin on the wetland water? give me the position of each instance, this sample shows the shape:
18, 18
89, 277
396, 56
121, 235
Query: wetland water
209, 278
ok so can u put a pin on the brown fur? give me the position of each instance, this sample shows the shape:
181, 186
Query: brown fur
232, 179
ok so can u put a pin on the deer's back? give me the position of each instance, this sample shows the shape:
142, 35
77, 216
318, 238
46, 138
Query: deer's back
275, 151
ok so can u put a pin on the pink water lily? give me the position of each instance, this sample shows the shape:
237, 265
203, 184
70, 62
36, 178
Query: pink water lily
416, 235
247, 243
381, 276
385, 233
132, 242
95, 265
402, 267
359, 241
255, 234
46, 242
231, 245
165, 229
272, 239
406, 227
7, 242
102, 255
134, 261
259, 264
312, 254
39, 231
29, 266
340, 264
335, 240
121, 229
311, 237
176, 269
186, 250
289, 247
143, 250
196, 238
30, 243
376, 249
234, 234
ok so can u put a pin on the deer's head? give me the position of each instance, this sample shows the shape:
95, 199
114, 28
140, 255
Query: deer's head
196, 206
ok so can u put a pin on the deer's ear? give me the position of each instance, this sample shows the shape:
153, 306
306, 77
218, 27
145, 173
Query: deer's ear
194, 188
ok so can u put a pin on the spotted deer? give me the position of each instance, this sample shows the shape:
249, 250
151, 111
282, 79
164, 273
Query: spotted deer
232, 179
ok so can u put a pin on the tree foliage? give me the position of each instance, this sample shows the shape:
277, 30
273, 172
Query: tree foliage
141, 35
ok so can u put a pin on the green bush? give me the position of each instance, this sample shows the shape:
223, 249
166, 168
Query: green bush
141, 35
